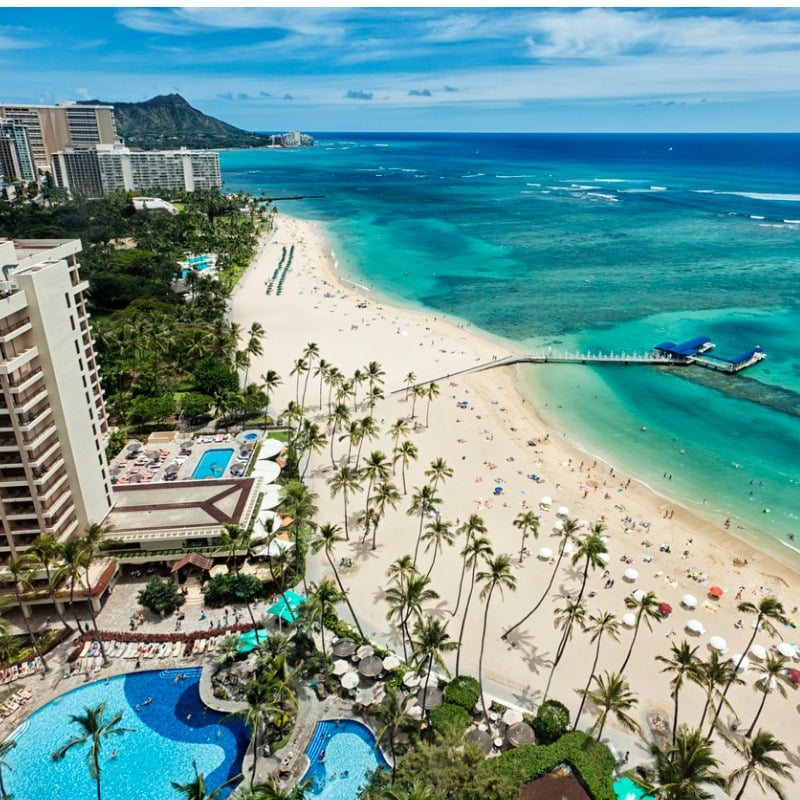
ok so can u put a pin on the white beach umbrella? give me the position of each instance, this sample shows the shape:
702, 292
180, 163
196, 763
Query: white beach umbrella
758, 651
365, 651
350, 680
629, 620
602, 558
718, 643
563, 511
695, 626
411, 679
512, 716
638, 595
391, 662
415, 712
689, 601
744, 666
546, 501
558, 525
787, 650
545, 553
569, 550
630, 574
340, 666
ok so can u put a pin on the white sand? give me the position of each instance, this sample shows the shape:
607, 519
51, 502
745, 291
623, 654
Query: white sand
486, 445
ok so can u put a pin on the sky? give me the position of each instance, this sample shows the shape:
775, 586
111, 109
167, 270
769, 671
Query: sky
420, 68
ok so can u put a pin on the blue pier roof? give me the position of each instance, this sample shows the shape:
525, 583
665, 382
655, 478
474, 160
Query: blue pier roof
684, 349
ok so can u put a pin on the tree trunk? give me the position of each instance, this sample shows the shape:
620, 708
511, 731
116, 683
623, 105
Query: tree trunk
630, 649
758, 714
344, 593
588, 684
464, 618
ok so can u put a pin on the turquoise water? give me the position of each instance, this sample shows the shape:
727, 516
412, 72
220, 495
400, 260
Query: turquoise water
626, 789
594, 242
350, 755
168, 735
213, 463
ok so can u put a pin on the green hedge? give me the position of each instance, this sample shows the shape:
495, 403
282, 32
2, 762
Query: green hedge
463, 691
551, 722
449, 719
591, 760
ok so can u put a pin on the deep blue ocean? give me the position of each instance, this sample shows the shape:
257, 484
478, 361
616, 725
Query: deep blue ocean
594, 242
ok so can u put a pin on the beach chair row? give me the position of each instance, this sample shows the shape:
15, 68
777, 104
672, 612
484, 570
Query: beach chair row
15, 702
18, 671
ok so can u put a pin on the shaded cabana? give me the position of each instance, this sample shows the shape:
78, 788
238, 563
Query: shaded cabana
286, 606
203, 563
520, 733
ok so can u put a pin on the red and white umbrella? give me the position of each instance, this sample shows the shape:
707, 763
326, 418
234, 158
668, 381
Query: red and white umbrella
716, 591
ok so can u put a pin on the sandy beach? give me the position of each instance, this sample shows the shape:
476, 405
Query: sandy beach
494, 441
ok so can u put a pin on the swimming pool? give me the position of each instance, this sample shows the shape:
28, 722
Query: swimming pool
626, 789
350, 756
213, 463
251, 436
169, 734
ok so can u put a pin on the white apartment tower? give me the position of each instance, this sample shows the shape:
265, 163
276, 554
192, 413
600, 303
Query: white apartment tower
53, 472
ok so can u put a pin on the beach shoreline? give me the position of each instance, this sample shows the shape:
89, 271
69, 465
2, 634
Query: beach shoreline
497, 441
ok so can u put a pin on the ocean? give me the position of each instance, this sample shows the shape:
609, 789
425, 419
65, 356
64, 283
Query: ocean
594, 243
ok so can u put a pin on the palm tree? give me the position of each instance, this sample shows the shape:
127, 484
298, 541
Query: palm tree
71, 570
599, 624
612, 696
328, 534
646, 609
310, 354
299, 367
438, 471
409, 380
338, 417
759, 764
270, 381
234, 539
405, 599
368, 429
406, 452
5, 747
773, 676
593, 551
196, 789
565, 534
320, 605
254, 346
423, 502
477, 547
95, 535
400, 428
311, 440
95, 730
430, 642
714, 674
437, 533
391, 714
323, 372
573, 613
376, 468
527, 523
416, 392
473, 525
386, 494
684, 664
431, 393
497, 574
345, 480
47, 553
684, 768
19, 574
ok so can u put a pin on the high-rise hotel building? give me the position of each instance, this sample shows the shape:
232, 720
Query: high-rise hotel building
53, 428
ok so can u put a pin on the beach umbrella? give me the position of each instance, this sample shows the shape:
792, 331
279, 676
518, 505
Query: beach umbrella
391, 662
689, 601
480, 738
563, 511
365, 697
638, 595
569, 550
364, 651
371, 666
744, 666
512, 716
695, 626
340, 666
793, 675
629, 620
350, 680
546, 501
665, 609
630, 574
558, 525
430, 697
545, 553
286, 606
344, 648
716, 592
787, 650
411, 679
415, 712
718, 643
758, 651
520, 733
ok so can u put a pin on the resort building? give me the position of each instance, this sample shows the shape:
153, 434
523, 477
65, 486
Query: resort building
16, 158
53, 428
101, 169
52, 128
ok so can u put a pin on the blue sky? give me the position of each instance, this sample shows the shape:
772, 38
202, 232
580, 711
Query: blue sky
421, 68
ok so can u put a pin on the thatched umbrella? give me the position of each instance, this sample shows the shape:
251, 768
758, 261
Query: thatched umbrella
370, 667
344, 648
430, 697
480, 738
520, 733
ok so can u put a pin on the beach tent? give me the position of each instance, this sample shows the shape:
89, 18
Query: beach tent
758, 651
718, 643
287, 609
630, 574
689, 601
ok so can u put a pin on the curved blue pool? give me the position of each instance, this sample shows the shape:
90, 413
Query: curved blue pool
213, 463
169, 733
626, 789
350, 755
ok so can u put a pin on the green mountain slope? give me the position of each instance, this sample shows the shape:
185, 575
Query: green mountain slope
167, 122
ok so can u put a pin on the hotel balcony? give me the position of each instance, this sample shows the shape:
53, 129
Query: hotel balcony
14, 363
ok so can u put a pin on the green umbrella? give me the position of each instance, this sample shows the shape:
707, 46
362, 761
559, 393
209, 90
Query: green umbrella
286, 609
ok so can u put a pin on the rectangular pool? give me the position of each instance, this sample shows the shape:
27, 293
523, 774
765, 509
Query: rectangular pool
213, 463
